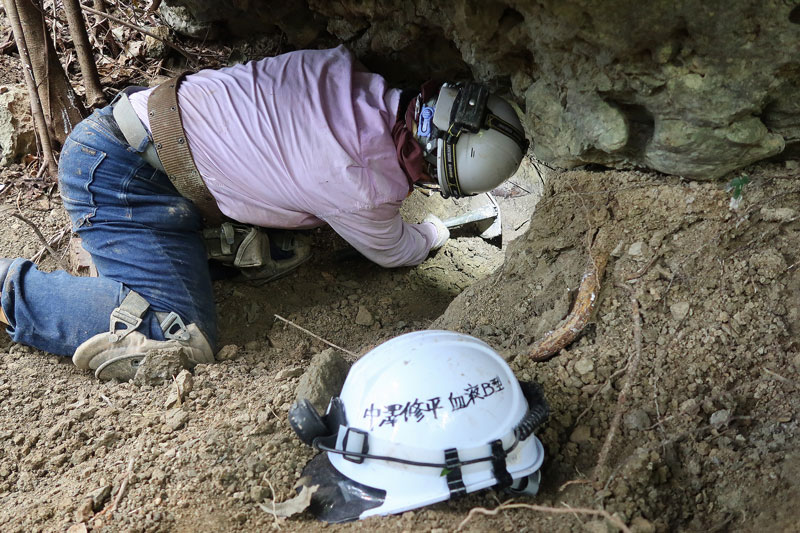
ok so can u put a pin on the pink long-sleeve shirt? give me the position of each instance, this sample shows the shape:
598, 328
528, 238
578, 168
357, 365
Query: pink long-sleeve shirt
300, 140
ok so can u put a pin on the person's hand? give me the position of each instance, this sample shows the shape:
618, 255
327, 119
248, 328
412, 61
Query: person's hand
442, 233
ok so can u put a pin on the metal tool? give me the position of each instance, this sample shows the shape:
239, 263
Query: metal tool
485, 218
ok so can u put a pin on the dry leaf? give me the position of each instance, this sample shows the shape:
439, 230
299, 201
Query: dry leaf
292, 506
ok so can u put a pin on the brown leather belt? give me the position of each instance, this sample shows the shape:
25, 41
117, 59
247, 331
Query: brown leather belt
169, 138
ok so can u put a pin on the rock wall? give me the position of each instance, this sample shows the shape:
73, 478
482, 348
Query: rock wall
696, 88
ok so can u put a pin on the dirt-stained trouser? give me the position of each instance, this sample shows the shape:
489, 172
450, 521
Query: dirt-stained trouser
143, 237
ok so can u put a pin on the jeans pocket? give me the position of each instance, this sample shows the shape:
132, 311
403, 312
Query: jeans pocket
76, 172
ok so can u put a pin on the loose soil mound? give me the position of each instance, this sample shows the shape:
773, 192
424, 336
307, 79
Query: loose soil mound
708, 439
708, 433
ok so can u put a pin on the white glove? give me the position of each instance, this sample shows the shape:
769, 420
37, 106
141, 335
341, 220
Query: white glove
442, 233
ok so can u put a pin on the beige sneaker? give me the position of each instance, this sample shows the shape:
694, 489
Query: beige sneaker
119, 359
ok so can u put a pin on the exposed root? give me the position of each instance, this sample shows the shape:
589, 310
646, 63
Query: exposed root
569, 329
544, 509
633, 369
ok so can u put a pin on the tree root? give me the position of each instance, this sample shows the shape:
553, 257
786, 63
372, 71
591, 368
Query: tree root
569, 329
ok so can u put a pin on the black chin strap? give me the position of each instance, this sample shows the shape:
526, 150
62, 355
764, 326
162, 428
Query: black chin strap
452, 465
499, 467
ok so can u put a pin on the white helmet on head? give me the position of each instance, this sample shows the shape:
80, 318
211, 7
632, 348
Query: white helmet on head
421, 418
478, 139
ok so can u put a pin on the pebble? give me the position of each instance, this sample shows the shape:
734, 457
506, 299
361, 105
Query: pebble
323, 379
287, 373
679, 310
584, 365
160, 365
84, 511
175, 419
228, 352
99, 496
638, 419
364, 317
183, 385
581, 434
690, 406
642, 525
779, 214
721, 417
636, 249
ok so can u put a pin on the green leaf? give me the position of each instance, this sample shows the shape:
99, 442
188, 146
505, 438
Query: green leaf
736, 185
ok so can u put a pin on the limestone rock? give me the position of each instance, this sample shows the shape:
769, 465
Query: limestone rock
364, 317
17, 136
160, 366
179, 389
323, 379
691, 89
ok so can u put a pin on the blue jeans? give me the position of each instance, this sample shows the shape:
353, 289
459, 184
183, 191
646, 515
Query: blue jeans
142, 236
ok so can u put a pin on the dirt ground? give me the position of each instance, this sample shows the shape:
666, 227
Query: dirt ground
708, 434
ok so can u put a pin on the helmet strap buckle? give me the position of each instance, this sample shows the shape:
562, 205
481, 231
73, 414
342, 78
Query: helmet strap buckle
356, 441
455, 481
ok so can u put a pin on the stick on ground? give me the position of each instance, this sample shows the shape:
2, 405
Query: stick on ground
316, 336
633, 369
544, 509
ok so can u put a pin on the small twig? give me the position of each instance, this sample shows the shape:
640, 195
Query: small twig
515, 184
522, 224
642, 271
111, 508
633, 369
601, 389
41, 238
172, 45
574, 482
271, 410
55, 240
6, 187
316, 336
272, 490
544, 509
781, 378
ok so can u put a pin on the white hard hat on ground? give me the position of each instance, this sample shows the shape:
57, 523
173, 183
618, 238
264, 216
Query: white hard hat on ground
421, 418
